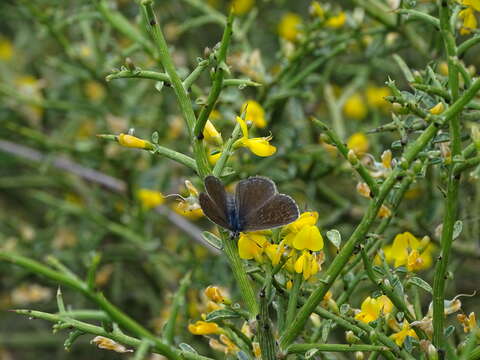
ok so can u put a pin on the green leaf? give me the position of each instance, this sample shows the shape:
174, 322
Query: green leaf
457, 229
327, 325
335, 237
187, 348
159, 85
421, 284
310, 353
155, 137
212, 240
222, 314
449, 330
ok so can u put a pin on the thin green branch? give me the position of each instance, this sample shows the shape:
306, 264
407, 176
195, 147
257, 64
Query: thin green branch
302, 348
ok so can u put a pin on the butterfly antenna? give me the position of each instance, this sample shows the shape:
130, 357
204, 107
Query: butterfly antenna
176, 197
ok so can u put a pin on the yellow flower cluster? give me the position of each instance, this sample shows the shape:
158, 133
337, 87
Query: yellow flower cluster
300, 239
372, 309
407, 250
468, 16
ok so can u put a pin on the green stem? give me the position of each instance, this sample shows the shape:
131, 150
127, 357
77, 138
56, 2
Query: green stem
217, 80
451, 201
293, 297
203, 167
115, 314
178, 300
227, 148
302, 348
140, 74
357, 165
265, 335
246, 289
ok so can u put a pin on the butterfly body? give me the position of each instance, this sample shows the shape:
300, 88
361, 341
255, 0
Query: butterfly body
256, 205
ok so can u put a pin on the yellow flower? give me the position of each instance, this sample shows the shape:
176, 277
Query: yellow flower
6, 49
306, 264
251, 245
259, 146
387, 159
211, 134
94, 90
289, 26
469, 20
409, 251
376, 96
226, 345
358, 142
108, 344
336, 21
132, 142
214, 294
241, 7
213, 158
308, 238
254, 113
437, 109
204, 328
305, 221
372, 309
150, 198
317, 10
400, 336
363, 189
469, 322
274, 252
190, 211
384, 212
354, 107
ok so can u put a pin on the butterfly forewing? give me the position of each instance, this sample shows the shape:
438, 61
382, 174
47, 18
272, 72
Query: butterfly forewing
253, 193
278, 211
211, 210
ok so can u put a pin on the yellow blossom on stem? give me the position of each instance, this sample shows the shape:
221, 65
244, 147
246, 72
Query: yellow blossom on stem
376, 96
437, 109
108, 344
316, 9
469, 20
289, 26
408, 251
254, 112
259, 146
211, 134
150, 198
387, 159
469, 322
384, 212
204, 328
337, 21
400, 336
274, 252
190, 211
132, 142
213, 158
354, 107
6, 49
214, 294
241, 7
358, 142
309, 238
306, 264
372, 309
306, 219
251, 245
363, 189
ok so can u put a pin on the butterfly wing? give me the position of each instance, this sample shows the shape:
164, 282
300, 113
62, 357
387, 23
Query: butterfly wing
214, 202
253, 193
280, 210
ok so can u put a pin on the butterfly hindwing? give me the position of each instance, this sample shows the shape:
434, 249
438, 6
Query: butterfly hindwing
252, 193
280, 210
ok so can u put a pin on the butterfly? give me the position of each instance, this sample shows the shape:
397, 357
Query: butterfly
256, 205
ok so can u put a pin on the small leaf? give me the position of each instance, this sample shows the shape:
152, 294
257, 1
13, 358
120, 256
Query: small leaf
310, 353
327, 325
242, 356
227, 171
159, 85
400, 316
221, 314
155, 137
457, 229
344, 308
212, 240
407, 344
334, 237
187, 348
421, 284
449, 330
